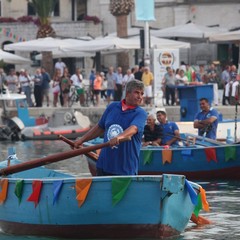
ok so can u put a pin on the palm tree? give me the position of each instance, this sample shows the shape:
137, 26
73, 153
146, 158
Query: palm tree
44, 9
121, 9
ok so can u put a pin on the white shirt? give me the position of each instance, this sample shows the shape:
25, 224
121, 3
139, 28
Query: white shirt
61, 66
77, 80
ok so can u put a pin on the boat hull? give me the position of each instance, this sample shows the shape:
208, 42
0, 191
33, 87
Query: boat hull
189, 161
152, 207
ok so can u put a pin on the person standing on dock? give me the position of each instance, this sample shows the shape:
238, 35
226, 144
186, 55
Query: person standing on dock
120, 120
206, 120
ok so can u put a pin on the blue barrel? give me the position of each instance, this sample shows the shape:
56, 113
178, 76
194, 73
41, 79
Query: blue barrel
189, 97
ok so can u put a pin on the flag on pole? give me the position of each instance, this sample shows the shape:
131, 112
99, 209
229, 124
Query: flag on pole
144, 10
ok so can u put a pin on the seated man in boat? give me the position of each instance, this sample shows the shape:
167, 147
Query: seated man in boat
120, 120
170, 130
206, 120
152, 132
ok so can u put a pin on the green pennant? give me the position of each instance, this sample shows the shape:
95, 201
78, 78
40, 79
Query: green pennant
19, 190
119, 188
230, 153
198, 206
147, 156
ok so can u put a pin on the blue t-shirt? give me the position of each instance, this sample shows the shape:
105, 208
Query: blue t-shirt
211, 133
168, 131
124, 159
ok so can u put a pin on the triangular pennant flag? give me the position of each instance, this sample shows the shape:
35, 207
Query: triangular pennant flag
230, 153
187, 154
119, 188
82, 188
166, 156
192, 194
36, 187
19, 190
211, 154
199, 205
205, 204
147, 156
4, 189
57, 185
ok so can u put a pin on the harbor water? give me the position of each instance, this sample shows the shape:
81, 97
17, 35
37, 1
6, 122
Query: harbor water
223, 196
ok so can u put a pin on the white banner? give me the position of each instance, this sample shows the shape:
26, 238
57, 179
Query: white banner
163, 58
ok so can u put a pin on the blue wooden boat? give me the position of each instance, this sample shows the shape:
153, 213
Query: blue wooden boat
44, 202
205, 160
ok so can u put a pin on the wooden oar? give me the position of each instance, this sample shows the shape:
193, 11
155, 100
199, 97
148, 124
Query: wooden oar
53, 158
94, 156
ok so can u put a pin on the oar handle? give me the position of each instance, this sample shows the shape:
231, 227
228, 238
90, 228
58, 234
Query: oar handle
94, 156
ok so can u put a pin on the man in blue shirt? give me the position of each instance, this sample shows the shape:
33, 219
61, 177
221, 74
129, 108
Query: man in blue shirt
206, 120
170, 130
120, 120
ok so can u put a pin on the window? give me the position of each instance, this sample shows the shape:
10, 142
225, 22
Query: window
79, 9
32, 12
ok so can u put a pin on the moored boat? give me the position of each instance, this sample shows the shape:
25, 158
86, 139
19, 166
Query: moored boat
204, 160
44, 202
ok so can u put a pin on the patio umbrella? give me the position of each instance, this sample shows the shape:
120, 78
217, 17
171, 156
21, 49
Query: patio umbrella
12, 58
189, 30
116, 43
41, 44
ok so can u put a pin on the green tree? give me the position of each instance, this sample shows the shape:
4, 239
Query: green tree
121, 9
44, 10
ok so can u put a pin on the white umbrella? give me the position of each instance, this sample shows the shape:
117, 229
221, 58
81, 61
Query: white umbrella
41, 44
113, 43
12, 58
233, 36
189, 30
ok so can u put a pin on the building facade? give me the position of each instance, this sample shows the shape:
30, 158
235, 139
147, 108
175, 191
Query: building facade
77, 18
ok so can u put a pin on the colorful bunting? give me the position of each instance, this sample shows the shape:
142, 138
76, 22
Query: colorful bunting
57, 185
192, 193
119, 188
82, 188
8, 33
4, 189
230, 153
205, 204
19, 190
166, 156
36, 187
211, 154
147, 156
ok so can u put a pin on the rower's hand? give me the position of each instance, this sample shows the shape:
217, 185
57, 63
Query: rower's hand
114, 141
77, 144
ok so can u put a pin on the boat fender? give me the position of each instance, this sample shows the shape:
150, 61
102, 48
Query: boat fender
68, 117
183, 111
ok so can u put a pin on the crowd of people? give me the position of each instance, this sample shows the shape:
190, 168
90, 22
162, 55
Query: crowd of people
225, 79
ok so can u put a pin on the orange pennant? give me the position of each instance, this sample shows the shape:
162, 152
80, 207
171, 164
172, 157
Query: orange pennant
199, 220
4, 188
205, 204
82, 188
166, 156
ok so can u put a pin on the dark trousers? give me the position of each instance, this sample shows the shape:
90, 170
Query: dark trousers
118, 93
38, 95
170, 92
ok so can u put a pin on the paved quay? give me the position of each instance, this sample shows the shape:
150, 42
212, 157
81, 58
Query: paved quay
94, 113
